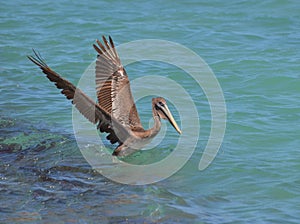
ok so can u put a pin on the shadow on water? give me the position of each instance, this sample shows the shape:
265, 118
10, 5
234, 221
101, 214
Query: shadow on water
44, 177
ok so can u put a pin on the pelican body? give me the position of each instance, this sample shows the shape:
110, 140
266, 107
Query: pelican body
115, 112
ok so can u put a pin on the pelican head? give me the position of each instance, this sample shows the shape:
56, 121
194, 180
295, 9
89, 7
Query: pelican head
162, 110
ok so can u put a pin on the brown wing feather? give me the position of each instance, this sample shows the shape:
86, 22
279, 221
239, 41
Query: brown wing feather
113, 86
86, 106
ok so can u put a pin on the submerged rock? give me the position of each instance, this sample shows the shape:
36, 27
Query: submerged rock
19, 136
13, 147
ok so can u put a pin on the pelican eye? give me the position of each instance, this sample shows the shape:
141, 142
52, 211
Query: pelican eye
161, 104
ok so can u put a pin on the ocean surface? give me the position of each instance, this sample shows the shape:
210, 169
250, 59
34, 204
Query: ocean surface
251, 46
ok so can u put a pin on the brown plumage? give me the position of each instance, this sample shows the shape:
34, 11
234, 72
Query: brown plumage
115, 113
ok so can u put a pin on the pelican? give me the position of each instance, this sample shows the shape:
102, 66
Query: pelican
115, 113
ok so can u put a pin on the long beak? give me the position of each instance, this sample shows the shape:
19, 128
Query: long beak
170, 118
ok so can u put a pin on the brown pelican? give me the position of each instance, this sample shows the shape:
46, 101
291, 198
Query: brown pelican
115, 113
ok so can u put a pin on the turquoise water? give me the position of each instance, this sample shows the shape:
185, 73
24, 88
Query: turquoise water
253, 49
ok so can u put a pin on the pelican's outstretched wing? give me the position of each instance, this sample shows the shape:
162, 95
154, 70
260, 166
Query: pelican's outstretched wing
86, 106
113, 87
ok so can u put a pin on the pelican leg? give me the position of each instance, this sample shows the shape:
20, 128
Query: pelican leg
123, 150
117, 150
